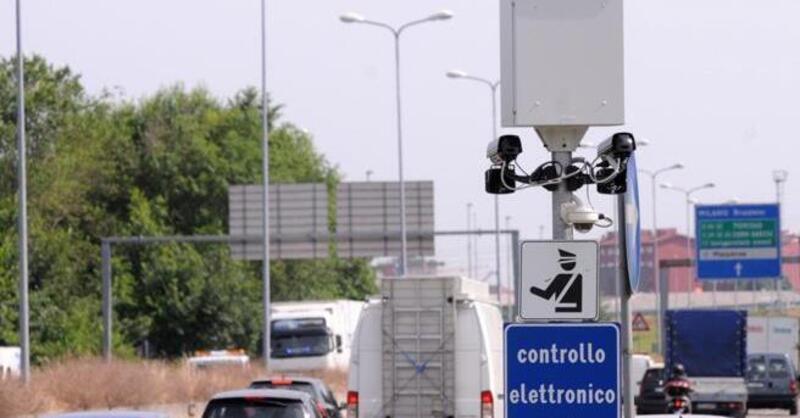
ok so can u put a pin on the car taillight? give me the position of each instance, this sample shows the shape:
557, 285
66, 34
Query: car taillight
487, 404
793, 387
352, 404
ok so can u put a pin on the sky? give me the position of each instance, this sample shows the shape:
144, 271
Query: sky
713, 85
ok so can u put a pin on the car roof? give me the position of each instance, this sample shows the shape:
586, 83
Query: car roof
301, 379
263, 393
768, 355
109, 414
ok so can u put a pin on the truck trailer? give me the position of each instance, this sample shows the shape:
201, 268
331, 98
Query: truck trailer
429, 347
712, 346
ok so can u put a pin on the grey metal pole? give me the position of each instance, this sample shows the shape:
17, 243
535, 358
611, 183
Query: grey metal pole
496, 198
108, 304
469, 240
265, 191
625, 318
656, 268
403, 248
475, 240
510, 269
663, 280
24, 315
561, 230
690, 278
516, 268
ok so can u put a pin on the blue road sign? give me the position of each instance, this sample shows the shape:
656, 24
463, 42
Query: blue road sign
738, 242
562, 370
633, 228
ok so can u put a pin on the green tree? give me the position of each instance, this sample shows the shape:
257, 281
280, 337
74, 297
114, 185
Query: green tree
158, 166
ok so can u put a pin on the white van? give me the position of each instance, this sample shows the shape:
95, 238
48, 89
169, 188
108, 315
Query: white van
780, 335
430, 347
313, 335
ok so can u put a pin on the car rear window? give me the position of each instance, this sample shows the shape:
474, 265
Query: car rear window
304, 387
778, 368
652, 377
255, 408
756, 368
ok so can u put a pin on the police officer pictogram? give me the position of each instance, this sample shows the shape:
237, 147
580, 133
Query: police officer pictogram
558, 280
566, 287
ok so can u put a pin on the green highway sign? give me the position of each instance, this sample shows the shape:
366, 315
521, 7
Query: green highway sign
738, 242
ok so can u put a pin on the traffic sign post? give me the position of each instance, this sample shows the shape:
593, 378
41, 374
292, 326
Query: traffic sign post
738, 242
558, 281
562, 370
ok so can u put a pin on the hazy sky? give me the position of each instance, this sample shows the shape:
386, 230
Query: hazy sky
713, 84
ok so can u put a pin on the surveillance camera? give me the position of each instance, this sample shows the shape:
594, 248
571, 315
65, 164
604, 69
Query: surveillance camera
580, 215
619, 145
504, 149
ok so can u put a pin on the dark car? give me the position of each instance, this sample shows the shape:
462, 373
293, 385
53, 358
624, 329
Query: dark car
319, 391
771, 382
262, 403
651, 399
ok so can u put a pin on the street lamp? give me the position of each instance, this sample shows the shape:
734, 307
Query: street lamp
688, 194
458, 74
656, 268
396, 32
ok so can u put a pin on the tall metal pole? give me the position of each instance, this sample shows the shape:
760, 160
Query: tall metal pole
625, 315
509, 268
403, 248
469, 240
475, 241
690, 278
24, 326
265, 191
108, 303
656, 268
496, 198
779, 176
396, 32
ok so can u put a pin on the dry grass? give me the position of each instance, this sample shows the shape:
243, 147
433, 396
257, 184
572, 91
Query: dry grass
84, 384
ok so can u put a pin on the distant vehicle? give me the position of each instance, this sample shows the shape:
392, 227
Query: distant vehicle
711, 345
651, 398
313, 335
109, 414
774, 335
316, 388
412, 342
262, 403
10, 362
218, 358
640, 363
771, 382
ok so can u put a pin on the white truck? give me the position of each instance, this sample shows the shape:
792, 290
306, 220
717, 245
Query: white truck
313, 335
779, 335
429, 347
10, 362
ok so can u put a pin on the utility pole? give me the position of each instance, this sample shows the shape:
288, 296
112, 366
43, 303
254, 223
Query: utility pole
779, 177
266, 296
22, 183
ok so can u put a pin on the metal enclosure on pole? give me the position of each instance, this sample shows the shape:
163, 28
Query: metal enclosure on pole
24, 315
265, 195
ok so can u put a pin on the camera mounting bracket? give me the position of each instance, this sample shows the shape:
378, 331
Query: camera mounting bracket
561, 138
